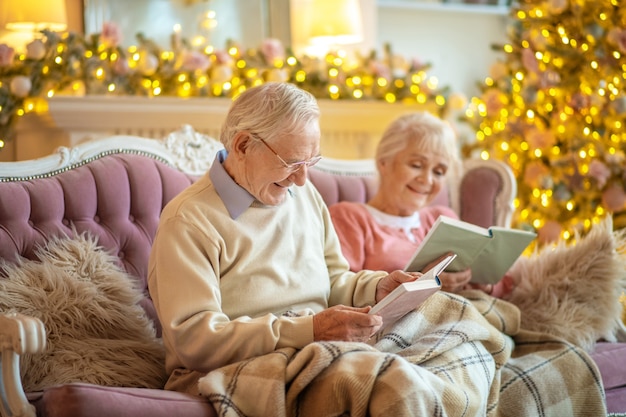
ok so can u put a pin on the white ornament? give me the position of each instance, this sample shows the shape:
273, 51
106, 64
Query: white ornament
147, 64
20, 86
457, 101
221, 74
36, 50
277, 75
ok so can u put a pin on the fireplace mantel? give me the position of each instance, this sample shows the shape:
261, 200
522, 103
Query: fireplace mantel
350, 129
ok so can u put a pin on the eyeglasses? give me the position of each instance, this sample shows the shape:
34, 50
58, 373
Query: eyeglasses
294, 166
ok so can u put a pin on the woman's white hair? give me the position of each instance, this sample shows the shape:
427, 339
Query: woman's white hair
270, 110
429, 132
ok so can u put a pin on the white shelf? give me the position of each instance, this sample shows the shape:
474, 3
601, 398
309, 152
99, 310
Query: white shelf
495, 9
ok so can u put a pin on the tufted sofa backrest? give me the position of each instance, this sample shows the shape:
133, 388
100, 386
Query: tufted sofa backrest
117, 198
335, 187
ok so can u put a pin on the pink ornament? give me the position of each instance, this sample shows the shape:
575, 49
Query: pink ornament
498, 70
121, 67
6, 55
529, 60
494, 101
400, 66
111, 34
617, 36
579, 101
600, 172
221, 73
222, 57
549, 79
540, 139
618, 158
550, 232
195, 61
416, 64
457, 101
614, 198
380, 70
273, 50
147, 64
557, 6
535, 173
277, 75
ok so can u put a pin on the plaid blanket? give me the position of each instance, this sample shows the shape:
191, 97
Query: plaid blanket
454, 356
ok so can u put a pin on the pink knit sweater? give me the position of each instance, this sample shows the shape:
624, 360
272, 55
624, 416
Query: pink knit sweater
368, 245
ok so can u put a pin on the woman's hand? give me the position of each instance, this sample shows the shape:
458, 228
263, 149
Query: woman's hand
348, 324
455, 281
451, 281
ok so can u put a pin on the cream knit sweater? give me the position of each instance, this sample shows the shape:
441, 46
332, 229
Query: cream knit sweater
222, 286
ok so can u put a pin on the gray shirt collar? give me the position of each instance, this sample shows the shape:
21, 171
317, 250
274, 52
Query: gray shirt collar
235, 198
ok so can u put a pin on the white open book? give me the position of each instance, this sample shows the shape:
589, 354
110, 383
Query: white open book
410, 295
489, 252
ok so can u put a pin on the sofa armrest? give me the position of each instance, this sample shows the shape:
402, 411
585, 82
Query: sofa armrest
19, 334
484, 193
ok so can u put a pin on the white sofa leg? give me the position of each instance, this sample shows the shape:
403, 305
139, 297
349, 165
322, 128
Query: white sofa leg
19, 334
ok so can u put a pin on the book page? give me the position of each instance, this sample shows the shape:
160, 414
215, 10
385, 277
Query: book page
410, 295
489, 252
450, 235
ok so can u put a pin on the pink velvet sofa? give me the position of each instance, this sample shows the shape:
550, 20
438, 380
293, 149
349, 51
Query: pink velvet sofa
116, 189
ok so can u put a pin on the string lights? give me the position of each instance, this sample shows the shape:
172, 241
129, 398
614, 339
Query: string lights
72, 64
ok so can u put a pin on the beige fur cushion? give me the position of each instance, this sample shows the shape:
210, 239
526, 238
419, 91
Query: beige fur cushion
573, 291
96, 331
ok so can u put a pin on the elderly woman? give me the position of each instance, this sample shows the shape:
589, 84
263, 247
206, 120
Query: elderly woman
262, 315
414, 155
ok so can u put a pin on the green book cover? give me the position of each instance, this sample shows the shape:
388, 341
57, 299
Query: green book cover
488, 252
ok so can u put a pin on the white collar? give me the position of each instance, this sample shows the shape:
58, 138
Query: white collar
404, 223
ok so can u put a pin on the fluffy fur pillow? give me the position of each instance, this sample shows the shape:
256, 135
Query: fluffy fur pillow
573, 291
96, 331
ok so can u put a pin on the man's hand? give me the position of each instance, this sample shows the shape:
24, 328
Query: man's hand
348, 324
391, 281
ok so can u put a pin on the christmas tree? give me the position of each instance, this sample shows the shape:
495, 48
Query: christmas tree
554, 108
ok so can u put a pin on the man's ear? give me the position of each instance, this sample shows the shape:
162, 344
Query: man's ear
241, 143
382, 163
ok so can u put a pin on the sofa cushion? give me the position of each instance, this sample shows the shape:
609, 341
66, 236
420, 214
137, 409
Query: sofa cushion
610, 358
80, 400
95, 329
606, 355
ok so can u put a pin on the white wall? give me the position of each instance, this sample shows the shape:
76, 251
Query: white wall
240, 20
456, 43
455, 38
